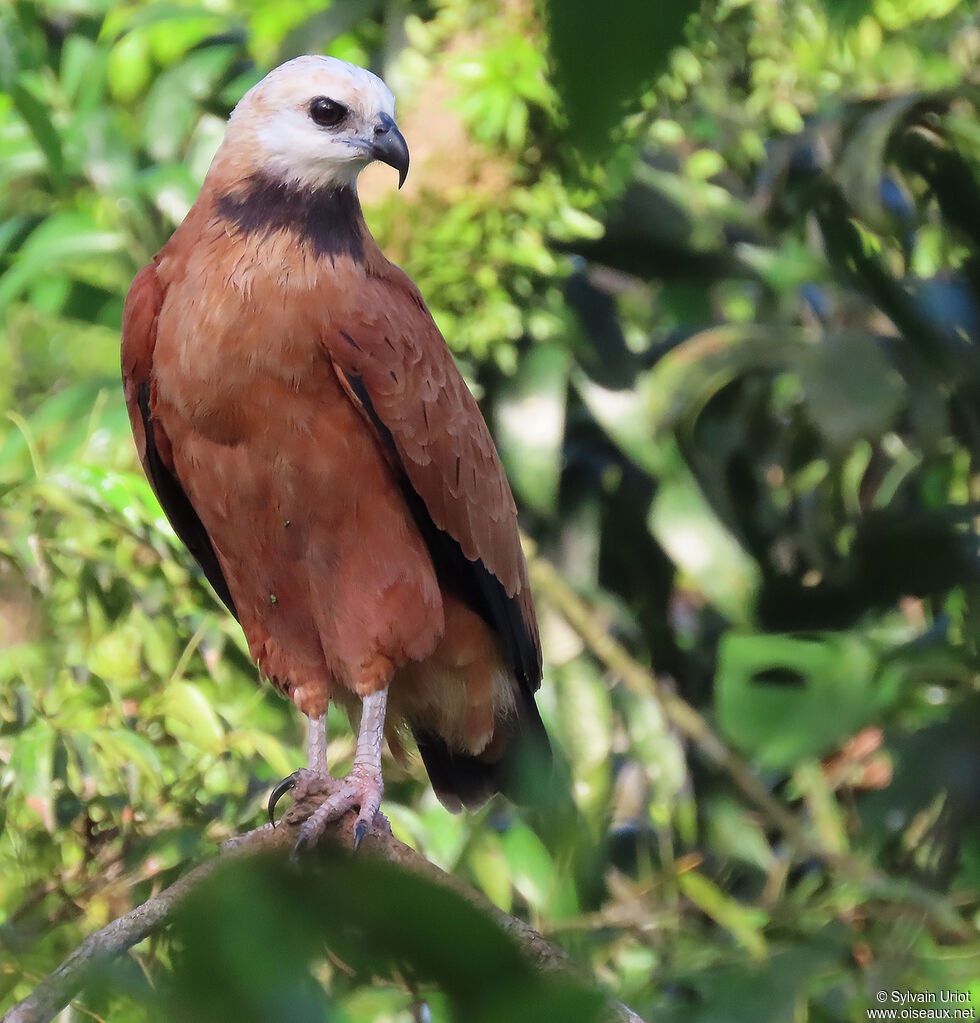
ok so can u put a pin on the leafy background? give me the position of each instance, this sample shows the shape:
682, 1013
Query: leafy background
714, 274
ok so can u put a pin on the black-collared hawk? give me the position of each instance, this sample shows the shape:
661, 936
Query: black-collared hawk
312, 442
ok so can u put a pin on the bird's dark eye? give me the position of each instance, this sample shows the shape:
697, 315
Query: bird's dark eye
328, 113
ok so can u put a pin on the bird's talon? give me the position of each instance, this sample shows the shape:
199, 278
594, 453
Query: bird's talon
360, 830
278, 792
302, 844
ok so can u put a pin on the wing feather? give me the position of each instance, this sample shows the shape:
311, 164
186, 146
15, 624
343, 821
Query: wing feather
397, 365
139, 330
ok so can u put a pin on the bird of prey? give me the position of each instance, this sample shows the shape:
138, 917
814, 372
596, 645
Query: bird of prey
307, 433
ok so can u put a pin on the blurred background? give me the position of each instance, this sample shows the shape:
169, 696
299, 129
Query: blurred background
714, 274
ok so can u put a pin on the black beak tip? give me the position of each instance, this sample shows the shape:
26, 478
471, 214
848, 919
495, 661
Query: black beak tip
389, 146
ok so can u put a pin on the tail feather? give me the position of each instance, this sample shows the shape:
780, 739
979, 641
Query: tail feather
517, 762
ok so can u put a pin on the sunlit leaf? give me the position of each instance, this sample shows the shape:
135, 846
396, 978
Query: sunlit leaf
703, 549
744, 924
487, 860
30, 764
530, 864
191, 716
39, 121
530, 425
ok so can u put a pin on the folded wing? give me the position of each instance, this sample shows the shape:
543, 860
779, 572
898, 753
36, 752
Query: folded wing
397, 367
139, 329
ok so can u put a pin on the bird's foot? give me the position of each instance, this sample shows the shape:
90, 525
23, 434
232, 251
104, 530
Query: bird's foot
330, 798
362, 788
305, 786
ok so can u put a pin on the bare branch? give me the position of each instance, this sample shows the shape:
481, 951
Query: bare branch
116, 938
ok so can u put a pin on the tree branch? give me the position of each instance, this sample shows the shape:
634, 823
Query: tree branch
115, 939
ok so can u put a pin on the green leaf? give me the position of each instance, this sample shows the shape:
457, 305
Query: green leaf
267, 747
659, 747
530, 864
848, 12
604, 58
173, 105
743, 923
486, 859
775, 990
851, 388
38, 120
734, 831
585, 714
706, 553
190, 716
784, 698
823, 805
122, 748
129, 67
530, 425
374, 917
9, 230
83, 65
55, 422
31, 762
61, 240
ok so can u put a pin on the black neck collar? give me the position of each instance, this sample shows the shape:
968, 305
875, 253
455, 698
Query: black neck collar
327, 219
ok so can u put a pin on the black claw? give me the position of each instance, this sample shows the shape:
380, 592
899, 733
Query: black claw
360, 830
277, 793
300, 846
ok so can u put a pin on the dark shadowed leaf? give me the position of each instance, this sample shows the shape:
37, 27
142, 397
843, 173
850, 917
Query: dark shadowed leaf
767, 992
847, 12
851, 388
377, 919
605, 55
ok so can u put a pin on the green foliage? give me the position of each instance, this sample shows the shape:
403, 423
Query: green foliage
604, 60
732, 370
348, 905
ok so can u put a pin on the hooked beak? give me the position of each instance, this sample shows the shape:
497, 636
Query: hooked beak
389, 146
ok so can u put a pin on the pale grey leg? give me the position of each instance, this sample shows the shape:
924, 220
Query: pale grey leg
316, 745
364, 785
367, 756
314, 780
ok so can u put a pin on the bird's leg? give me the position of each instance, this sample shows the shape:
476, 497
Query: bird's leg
316, 745
363, 786
312, 781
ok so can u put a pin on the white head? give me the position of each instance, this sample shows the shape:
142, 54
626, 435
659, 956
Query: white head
318, 122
